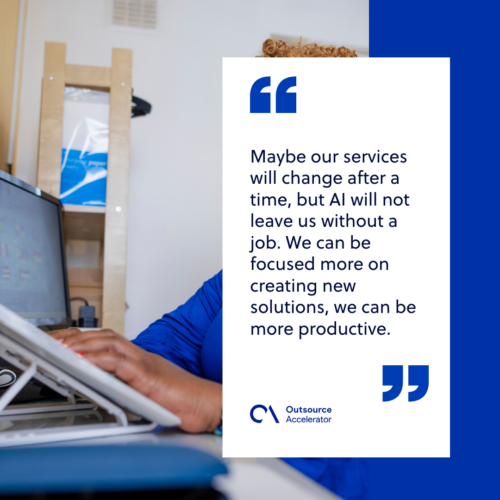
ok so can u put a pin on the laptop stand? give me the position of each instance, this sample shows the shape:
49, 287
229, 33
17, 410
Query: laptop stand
67, 386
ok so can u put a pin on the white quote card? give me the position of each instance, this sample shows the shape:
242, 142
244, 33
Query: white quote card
336, 257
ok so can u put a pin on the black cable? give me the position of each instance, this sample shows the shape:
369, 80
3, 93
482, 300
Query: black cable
80, 298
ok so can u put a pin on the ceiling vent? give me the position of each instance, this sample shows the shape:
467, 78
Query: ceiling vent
135, 14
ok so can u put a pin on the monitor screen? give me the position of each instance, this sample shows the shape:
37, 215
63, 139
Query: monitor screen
33, 279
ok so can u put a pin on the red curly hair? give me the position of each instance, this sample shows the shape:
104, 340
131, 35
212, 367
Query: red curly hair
278, 48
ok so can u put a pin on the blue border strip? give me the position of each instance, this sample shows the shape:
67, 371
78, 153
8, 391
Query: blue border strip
467, 32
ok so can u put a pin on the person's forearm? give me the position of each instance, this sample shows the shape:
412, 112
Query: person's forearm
197, 401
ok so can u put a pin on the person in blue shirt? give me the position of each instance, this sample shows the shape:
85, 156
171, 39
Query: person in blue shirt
177, 362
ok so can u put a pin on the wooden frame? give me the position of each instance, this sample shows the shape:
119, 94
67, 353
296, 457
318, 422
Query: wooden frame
10, 26
108, 224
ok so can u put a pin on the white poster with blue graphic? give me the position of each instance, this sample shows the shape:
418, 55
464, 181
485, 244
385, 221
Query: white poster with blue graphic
85, 147
336, 241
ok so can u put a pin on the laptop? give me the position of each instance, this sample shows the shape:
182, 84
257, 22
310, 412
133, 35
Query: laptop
40, 356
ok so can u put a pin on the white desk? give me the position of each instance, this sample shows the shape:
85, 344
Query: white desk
248, 479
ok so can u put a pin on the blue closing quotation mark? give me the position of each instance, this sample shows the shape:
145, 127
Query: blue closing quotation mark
418, 375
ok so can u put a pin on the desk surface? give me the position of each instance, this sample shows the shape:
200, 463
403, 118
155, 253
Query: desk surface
248, 479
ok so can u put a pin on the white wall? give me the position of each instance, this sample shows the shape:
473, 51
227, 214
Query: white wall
175, 224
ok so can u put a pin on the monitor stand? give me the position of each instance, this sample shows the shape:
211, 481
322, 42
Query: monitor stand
77, 396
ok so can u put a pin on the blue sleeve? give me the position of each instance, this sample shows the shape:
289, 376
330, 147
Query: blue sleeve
179, 335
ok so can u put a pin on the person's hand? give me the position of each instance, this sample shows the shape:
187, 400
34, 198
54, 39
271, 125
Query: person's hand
198, 402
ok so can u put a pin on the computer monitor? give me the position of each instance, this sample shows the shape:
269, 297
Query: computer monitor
33, 276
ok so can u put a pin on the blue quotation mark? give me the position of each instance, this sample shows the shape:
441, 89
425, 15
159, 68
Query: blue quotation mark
286, 102
418, 375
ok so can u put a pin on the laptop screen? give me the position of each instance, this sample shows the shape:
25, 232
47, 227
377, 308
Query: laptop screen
32, 266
